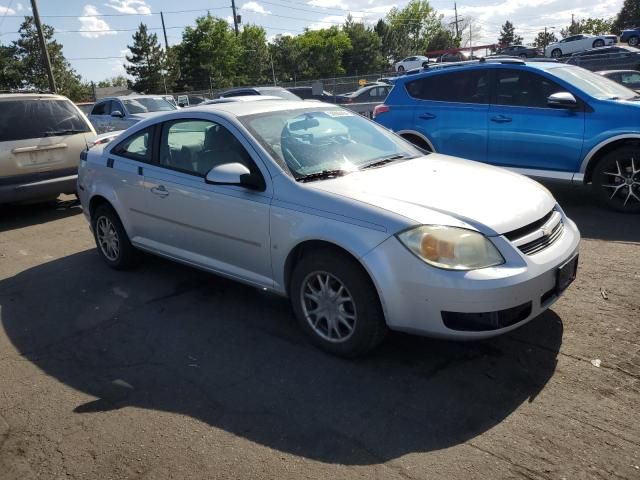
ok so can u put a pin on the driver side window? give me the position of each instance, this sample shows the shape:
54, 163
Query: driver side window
196, 146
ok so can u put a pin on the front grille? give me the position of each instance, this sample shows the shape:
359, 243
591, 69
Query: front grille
542, 242
486, 321
527, 229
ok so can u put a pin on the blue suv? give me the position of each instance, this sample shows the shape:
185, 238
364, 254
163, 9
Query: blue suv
542, 119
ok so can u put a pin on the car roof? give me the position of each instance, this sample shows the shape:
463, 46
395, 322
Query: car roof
12, 96
240, 109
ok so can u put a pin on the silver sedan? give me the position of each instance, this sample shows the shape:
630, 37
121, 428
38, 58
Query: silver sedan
361, 230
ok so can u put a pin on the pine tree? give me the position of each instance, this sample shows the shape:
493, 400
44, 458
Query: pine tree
146, 62
508, 35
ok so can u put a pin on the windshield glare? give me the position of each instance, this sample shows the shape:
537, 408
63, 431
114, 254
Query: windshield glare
310, 141
592, 84
147, 104
281, 93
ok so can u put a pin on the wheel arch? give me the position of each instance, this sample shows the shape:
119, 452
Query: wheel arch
596, 153
406, 134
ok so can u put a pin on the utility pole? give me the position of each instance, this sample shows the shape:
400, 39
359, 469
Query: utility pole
455, 8
164, 30
43, 47
235, 17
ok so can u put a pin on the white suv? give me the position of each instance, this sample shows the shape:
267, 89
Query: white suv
41, 137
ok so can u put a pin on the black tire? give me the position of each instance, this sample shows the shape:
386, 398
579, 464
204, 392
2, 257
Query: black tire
610, 181
556, 53
400, 69
369, 326
425, 64
127, 255
523, 55
633, 41
598, 43
417, 141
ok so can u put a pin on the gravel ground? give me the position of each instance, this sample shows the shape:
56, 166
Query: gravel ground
167, 372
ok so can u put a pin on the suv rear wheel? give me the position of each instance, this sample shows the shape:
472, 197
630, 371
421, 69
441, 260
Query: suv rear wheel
633, 41
616, 180
111, 239
598, 43
336, 304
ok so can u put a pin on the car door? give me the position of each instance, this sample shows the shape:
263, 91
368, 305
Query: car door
218, 227
119, 122
451, 111
577, 43
100, 115
524, 132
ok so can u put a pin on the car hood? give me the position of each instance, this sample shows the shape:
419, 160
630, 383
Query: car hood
427, 189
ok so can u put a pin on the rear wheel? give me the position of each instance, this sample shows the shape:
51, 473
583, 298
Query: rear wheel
633, 41
523, 55
598, 43
111, 239
400, 69
336, 304
556, 53
616, 180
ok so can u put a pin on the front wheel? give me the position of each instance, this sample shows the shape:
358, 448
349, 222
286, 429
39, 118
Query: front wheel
598, 43
633, 41
556, 53
336, 304
400, 69
111, 239
523, 55
616, 180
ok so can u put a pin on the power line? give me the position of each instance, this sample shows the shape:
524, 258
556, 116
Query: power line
123, 14
5, 12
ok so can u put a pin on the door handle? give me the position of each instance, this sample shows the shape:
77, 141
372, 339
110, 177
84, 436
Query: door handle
501, 119
160, 190
427, 116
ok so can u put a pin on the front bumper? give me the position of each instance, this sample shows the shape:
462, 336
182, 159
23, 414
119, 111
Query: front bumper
34, 186
414, 295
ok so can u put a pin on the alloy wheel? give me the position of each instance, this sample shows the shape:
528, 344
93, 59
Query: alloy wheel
108, 239
633, 42
621, 179
328, 306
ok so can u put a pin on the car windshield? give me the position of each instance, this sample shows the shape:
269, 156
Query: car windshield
147, 104
592, 84
315, 140
278, 92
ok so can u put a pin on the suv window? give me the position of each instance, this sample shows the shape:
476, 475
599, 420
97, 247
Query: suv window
102, 108
523, 89
469, 86
196, 146
23, 118
137, 146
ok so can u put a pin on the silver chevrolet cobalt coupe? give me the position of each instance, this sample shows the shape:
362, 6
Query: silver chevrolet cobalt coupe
360, 229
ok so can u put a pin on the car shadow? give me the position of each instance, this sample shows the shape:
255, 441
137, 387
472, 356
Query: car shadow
23, 215
594, 220
170, 338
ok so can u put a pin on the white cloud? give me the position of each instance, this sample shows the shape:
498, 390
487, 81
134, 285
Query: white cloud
89, 21
328, 4
7, 11
130, 6
254, 7
19, 6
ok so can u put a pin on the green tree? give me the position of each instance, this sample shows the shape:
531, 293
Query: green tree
365, 54
254, 60
287, 58
443, 39
31, 66
325, 49
629, 16
594, 26
383, 30
146, 62
209, 54
543, 39
508, 35
117, 81
412, 28
10, 76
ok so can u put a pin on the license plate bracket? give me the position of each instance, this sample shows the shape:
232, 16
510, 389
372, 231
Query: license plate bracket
566, 274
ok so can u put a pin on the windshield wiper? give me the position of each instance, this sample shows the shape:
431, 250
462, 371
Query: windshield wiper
384, 161
56, 133
322, 175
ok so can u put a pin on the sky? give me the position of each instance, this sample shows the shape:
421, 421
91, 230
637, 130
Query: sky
95, 34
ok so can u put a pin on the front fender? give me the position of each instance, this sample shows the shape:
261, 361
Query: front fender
600, 141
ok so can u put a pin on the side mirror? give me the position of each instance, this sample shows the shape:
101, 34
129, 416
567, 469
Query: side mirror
117, 113
562, 100
234, 174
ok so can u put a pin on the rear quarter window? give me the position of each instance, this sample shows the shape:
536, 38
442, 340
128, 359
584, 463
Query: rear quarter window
22, 119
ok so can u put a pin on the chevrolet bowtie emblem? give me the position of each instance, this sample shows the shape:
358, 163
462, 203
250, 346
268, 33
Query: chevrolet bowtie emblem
546, 230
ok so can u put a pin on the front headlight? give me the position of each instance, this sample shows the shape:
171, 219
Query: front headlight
451, 248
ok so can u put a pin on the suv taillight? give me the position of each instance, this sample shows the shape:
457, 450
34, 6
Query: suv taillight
380, 109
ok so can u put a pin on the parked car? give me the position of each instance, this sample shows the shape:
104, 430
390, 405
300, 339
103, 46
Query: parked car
543, 119
41, 137
450, 57
354, 224
630, 36
628, 78
410, 63
519, 51
248, 98
270, 91
387, 80
578, 43
372, 93
306, 93
119, 113
615, 57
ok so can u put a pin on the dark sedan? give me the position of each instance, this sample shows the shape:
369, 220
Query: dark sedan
306, 93
519, 51
628, 78
607, 58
